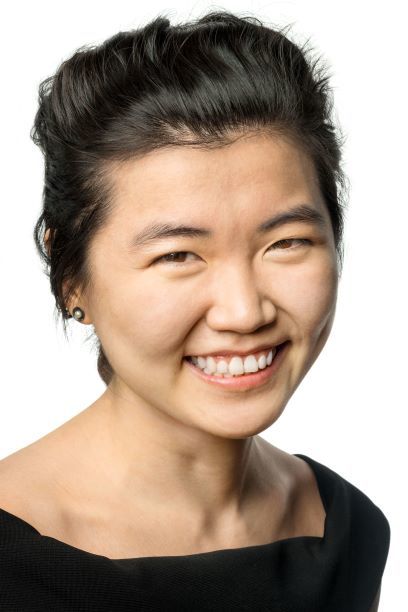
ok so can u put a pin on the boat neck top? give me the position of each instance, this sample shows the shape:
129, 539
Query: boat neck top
338, 572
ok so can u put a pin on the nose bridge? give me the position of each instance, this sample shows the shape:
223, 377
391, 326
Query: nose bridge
237, 299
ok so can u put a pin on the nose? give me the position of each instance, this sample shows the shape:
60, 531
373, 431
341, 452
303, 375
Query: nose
239, 301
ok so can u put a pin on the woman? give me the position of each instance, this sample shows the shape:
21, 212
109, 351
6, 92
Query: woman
193, 216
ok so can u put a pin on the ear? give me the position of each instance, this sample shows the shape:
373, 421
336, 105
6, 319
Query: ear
76, 298
47, 241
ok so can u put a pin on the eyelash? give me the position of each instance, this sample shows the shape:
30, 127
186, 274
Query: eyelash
163, 259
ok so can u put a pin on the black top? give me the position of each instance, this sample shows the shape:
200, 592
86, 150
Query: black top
339, 572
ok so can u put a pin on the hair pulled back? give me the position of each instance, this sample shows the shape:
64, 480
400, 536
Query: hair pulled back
192, 84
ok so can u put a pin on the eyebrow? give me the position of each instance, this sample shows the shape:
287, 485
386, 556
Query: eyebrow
154, 232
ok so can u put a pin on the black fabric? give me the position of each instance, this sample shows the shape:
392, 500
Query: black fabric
340, 572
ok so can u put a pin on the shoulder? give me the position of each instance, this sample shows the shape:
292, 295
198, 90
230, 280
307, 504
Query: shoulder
370, 531
363, 512
28, 491
29, 563
362, 528
359, 531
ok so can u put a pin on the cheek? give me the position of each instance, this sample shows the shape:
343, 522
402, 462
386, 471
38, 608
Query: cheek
142, 317
309, 295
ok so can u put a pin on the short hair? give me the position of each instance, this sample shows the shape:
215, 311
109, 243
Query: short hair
198, 84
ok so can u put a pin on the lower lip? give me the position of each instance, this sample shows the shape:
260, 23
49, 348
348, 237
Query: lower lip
246, 381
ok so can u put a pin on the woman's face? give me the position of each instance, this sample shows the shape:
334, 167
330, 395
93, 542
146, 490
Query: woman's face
234, 288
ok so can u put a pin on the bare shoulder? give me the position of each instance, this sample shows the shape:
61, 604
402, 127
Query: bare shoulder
29, 488
38, 482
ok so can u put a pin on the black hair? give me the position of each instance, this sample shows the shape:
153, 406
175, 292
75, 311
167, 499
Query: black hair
198, 83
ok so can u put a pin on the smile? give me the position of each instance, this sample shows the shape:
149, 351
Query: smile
238, 373
235, 365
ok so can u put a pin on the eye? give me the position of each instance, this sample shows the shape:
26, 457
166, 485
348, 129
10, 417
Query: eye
175, 256
283, 243
172, 257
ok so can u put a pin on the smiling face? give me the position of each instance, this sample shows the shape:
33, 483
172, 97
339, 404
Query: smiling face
233, 287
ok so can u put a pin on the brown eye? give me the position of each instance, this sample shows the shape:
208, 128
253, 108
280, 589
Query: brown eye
173, 257
286, 242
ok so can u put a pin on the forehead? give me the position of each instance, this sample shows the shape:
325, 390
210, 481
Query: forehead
253, 175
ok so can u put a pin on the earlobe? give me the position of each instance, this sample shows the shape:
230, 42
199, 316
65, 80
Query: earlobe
72, 306
78, 313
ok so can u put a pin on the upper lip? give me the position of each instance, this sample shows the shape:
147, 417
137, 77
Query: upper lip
255, 349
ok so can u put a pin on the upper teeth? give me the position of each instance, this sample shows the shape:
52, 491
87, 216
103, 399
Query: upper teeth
234, 365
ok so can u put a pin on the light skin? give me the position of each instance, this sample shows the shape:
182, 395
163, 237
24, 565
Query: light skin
159, 436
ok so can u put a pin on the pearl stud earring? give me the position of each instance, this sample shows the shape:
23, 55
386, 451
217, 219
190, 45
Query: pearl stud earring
78, 313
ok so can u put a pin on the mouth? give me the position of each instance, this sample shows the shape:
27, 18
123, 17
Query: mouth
240, 379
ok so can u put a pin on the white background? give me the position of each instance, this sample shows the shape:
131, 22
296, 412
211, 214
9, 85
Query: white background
349, 412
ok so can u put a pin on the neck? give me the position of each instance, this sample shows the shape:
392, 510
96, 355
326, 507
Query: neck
152, 461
